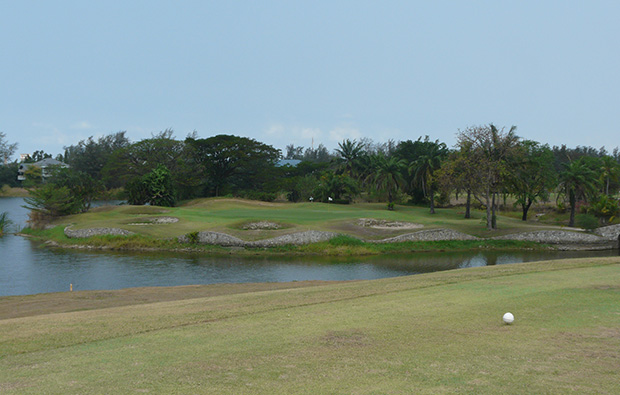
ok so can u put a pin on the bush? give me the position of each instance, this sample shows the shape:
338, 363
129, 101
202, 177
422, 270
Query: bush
343, 240
586, 221
53, 201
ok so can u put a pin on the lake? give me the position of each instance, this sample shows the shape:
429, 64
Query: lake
27, 267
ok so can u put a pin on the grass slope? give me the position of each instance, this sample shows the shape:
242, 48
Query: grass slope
432, 333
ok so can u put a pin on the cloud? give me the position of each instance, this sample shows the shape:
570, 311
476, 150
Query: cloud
341, 133
82, 125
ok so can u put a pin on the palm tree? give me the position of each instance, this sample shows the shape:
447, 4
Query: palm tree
425, 165
610, 171
388, 175
351, 154
577, 181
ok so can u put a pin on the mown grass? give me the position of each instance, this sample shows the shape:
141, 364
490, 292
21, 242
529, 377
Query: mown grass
229, 216
433, 333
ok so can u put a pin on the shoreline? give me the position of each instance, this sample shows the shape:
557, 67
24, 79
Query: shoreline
313, 243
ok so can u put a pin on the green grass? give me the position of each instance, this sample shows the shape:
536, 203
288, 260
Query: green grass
432, 333
229, 216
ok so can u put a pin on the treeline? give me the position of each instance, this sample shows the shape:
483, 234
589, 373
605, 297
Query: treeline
486, 165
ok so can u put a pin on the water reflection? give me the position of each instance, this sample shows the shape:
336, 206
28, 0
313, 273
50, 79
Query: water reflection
26, 267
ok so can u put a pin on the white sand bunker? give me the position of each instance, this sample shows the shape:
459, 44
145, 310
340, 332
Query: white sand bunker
262, 225
385, 224
155, 221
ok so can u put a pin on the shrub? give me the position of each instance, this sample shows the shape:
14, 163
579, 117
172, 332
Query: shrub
586, 221
192, 237
343, 240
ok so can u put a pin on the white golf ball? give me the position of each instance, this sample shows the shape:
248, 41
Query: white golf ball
508, 318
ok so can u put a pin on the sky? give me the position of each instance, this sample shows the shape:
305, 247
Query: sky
308, 72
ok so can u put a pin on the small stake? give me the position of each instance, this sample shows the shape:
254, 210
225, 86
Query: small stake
70, 287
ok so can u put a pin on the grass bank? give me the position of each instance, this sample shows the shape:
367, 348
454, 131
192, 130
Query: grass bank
231, 215
432, 333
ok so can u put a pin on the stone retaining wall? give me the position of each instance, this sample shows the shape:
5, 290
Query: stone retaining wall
430, 235
83, 233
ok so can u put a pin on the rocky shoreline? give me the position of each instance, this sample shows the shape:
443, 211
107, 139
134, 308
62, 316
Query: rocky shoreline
602, 238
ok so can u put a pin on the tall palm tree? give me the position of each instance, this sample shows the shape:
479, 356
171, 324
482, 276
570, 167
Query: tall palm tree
351, 154
388, 175
610, 171
577, 181
424, 167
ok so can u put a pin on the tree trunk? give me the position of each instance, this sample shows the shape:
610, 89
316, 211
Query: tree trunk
572, 199
432, 201
487, 197
494, 210
526, 207
468, 205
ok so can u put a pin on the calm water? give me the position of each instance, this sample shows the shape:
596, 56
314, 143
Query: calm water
26, 267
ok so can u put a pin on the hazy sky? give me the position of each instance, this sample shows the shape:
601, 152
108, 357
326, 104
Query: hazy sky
289, 71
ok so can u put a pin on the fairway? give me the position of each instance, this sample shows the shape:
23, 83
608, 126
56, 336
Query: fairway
432, 333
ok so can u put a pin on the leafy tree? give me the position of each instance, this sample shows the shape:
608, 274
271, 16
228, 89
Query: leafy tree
531, 174
319, 154
155, 188
339, 187
92, 156
577, 182
489, 149
139, 159
605, 208
294, 152
37, 156
52, 201
235, 162
83, 187
424, 167
388, 176
8, 174
34, 176
6, 149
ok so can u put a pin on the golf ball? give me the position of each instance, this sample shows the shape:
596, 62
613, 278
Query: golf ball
508, 318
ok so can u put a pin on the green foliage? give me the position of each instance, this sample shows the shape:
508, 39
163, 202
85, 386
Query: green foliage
231, 163
604, 207
586, 221
192, 237
8, 174
155, 188
5, 222
336, 186
34, 176
344, 240
53, 201
83, 187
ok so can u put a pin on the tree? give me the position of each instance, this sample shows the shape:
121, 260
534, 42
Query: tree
424, 167
610, 172
138, 159
388, 176
92, 156
235, 162
350, 157
531, 174
489, 148
154, 188
577, 182
338, 187
6, 149
84, 188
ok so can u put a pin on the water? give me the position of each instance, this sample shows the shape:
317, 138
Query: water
27, 267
